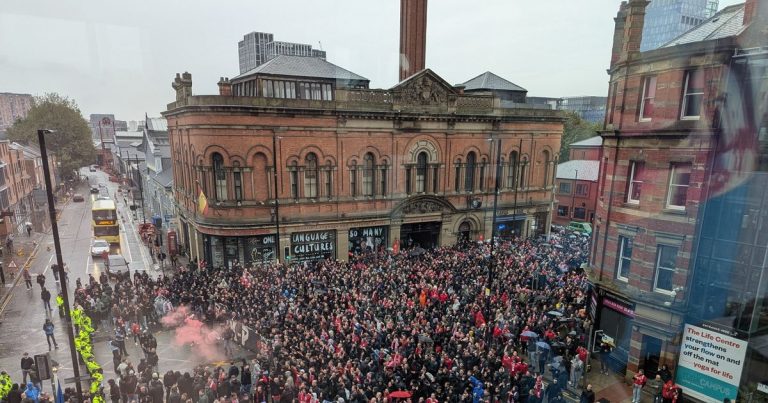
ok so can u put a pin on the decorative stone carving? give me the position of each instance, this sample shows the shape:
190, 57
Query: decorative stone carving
424, 91
422, 207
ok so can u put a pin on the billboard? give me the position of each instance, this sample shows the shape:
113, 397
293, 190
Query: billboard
313, 245
710, 364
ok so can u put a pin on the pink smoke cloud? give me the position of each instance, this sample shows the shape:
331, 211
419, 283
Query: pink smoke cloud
190, 331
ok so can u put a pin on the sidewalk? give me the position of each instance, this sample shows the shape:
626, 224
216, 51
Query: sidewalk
24, 251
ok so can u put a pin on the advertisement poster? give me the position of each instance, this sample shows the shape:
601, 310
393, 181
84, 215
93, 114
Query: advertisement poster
367, 239
260, 249
710, 364
313, 245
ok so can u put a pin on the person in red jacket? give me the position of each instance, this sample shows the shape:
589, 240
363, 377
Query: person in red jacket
637, 385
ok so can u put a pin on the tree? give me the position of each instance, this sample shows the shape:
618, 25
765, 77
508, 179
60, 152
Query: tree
576, 129
71, 141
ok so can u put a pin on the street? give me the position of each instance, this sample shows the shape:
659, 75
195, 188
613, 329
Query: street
21, 320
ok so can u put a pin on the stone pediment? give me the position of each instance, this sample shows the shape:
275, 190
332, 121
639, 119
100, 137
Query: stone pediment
424, 88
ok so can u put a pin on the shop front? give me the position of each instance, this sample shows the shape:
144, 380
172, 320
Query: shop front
313, 246
423, 234
223, 251
368, 239
510, 226
615, 315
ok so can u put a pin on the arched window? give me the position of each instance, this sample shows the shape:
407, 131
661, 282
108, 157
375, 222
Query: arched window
523, 165
294, 170
237, 181
353, 179
512, 170
545, 157
219, 177
483, 164
421, 172
310, 176
383, 178
457, 176
469, 175
369, 174
328, 179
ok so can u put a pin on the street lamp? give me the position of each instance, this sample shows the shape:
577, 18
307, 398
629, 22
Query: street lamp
59, 260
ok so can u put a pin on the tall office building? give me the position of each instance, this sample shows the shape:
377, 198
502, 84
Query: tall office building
256, 48
667, 19
12, 107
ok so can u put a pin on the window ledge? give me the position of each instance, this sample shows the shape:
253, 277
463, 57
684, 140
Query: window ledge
645, 120
668, 210
631, 205
690, 117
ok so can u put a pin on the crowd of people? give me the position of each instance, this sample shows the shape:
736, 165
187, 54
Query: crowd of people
469, 323
455, 324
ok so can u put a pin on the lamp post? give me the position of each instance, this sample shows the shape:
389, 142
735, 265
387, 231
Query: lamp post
59, 260
277, 199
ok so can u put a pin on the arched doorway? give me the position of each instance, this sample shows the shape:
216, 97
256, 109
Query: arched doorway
465, 232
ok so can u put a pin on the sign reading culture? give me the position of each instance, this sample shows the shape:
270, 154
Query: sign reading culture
313, 245
710, 364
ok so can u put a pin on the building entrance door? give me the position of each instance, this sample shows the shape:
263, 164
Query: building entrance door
425, 235
651, 355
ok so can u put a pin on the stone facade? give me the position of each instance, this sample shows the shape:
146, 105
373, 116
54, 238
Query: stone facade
369, 162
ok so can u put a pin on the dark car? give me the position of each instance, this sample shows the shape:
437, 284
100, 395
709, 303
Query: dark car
94, 190
77, 197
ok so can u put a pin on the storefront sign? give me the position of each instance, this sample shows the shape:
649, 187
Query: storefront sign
710, 364
367, 239
313, 245
619, 306
261, 248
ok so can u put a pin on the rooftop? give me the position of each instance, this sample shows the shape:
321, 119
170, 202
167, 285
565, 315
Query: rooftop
157, 124
727, 22
587, 170
590, 142
490, 81
302, 66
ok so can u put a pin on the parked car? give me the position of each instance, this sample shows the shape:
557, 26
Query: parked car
99, 247
93, 169
117, 266
94, 190
77, 197
582, 227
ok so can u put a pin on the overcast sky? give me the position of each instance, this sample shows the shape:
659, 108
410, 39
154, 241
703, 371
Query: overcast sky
120, 57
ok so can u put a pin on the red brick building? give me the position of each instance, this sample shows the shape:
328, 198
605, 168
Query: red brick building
356, 169
661, 131
576, 183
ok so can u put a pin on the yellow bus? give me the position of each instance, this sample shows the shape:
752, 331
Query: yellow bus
105, 223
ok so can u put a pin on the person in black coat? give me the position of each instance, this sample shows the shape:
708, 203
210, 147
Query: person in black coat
14, 395
587, 395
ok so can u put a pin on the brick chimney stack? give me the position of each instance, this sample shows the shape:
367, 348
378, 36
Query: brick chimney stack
633, 29
618, 32
225, 87
413, 37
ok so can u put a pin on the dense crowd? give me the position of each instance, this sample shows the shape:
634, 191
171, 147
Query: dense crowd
454, 324
468, 323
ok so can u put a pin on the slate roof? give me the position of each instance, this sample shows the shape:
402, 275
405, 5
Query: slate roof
164, 178
157, 124
588, 170
727, 22
590, 142
490, 81
303, 66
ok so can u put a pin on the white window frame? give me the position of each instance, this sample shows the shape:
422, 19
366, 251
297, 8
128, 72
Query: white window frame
658, 269
670, 186
632, 172
646, 86
623, 240
687, 94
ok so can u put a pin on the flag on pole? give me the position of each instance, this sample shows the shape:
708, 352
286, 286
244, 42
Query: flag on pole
59, 393
202, 203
